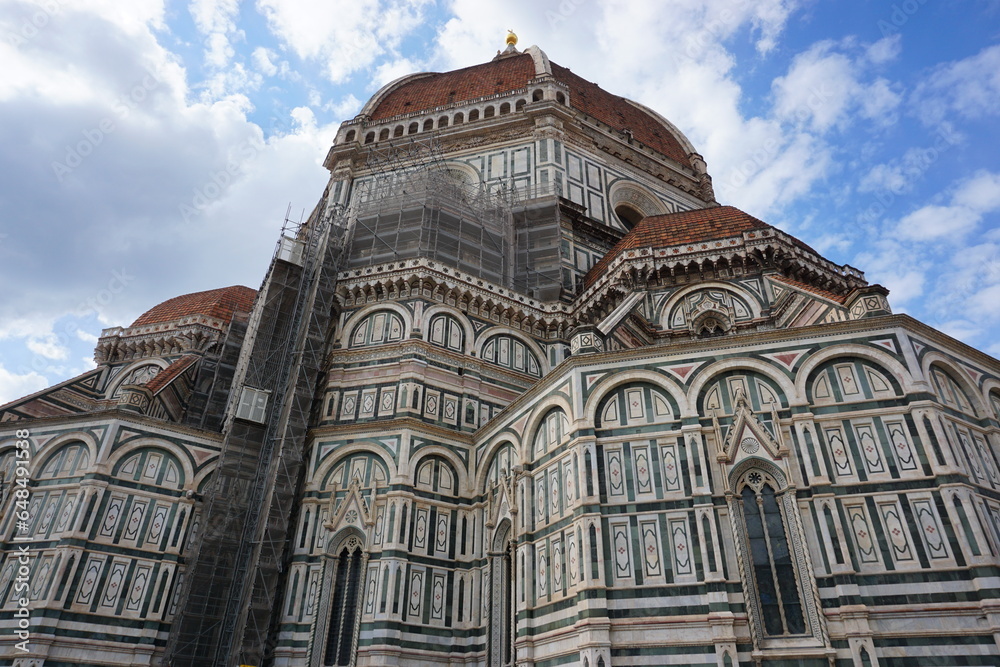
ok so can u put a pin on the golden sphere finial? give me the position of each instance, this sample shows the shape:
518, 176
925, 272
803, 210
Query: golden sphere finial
511, 37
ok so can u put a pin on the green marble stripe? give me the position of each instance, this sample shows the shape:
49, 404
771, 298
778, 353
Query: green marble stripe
935, 640
569, 658
919, 598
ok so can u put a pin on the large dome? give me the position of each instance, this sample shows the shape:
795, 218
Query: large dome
218, 304
515, 71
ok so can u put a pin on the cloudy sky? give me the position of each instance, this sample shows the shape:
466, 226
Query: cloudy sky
151, 148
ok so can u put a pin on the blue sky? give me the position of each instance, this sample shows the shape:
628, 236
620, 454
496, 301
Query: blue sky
150, 148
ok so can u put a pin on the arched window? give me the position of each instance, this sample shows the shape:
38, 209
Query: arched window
725, 306
773, 582
519, 106
551, 432
628, 215
413, 129
502, 599
71, 461
474, 115
436, 475
505, 108
384, 134
398, 132
537, 95
635, 404
378, 328
140, 375
370, 137
500, 463
847, 380
459, 119
342, 624
350, 135
560, 98
152, 466
489, 112
365, 468
446, 331
443, 121
509, 352
428, 125
950, 392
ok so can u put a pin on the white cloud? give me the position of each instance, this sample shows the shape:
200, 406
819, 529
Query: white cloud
86, 337
344, 36
970, 201
392, 70
211, 16
932, 222
48, 347
967, 88
885, 50
263, 59
981, 193
216, 19
346, 108
137, 151
824, 86
13, 386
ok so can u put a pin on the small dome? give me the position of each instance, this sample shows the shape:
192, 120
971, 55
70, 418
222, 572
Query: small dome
217, 303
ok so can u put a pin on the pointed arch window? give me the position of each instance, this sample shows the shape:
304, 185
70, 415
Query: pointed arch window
342, 624
502, 615
771, 562
775, 566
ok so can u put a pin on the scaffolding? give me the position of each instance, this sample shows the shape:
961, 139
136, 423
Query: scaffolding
412, 204
229, 592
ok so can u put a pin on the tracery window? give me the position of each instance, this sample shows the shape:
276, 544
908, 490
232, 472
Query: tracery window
71, 461
950, 392
342, 625
378, 328
551, 432
140, 375
773, 564
509, 352
445, 331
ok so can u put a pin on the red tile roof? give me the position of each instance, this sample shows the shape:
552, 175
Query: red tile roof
672, 229
805, 287
168, 374
514, 72
618, 113
437, 90
217, 303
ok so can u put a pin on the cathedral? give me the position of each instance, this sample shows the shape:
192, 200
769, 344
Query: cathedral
518, 391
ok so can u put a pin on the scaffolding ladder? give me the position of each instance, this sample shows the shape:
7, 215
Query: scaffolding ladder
228, 594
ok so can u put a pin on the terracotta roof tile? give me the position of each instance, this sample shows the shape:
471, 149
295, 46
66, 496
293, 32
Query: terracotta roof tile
514, 72
217, 303
618, 113
500, 76
171, 372
672, 229
805, 287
